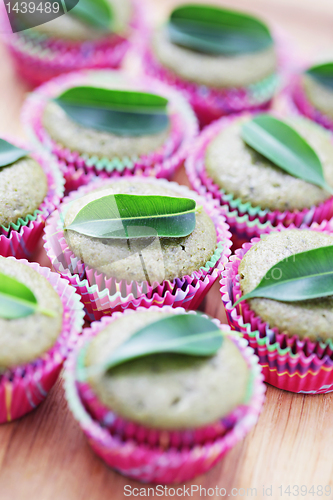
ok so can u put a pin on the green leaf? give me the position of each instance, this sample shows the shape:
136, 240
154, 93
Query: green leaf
323, 73
17, 300
120, 112
187, 334
10, 153
212, 30
302, 276
283, 146
136, 216
97, 13
123, 100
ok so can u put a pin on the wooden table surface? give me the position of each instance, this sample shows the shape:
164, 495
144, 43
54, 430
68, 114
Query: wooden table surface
45, 456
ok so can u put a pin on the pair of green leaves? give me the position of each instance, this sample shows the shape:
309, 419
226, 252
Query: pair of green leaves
323, 73
136, 216
282, 145
302, 276
187, 334
120, 112
17, 300
212, 30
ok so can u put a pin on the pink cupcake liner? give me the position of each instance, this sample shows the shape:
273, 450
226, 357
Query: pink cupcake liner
79, 169
304, 106
20, 240
289, 363
148, 461
127, 430
246, 221
39, 58
102, 296
24, 387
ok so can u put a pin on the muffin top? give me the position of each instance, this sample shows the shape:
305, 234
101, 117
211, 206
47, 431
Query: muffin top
23, 187
213, 70
240, 170
307, 319
95, 141
320, 96
69, 134
142, 259
70, 27
22, 340
167, 391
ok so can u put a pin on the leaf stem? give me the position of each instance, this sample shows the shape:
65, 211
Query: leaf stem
241, 299
46, 312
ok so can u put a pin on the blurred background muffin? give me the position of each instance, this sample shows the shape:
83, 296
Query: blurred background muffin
224, 61
312, 92
90, 35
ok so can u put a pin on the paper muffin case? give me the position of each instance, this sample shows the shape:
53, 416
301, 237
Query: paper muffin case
79, 169
245, 220
23, 388
102, 296
127, 430
304, 106
20, 239
148, 461
289, 363
39, 58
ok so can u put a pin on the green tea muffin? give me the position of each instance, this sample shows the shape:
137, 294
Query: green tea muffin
307, 319
218, 71
23, 187
241, 171
24, 339
107, 122
320, 96
94, 141
83, 140
223, 61
60, 37
165, 417
164, 259
167, 391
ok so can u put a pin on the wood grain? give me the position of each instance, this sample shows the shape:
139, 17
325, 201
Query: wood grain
45, 456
